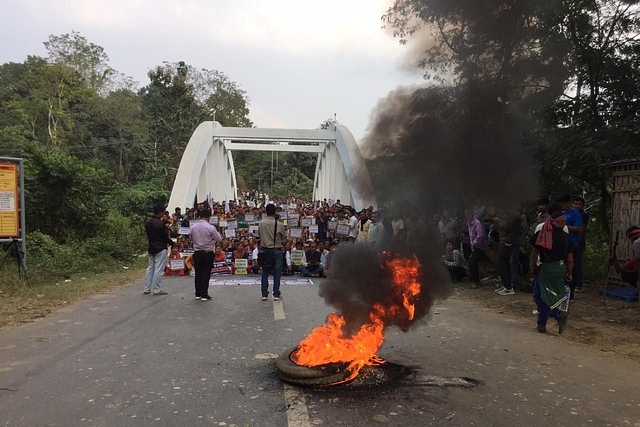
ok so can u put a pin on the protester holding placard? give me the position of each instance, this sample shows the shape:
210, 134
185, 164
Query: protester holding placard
175, 265
203, 235
298, 256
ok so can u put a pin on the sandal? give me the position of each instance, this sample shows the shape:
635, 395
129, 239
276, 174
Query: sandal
161, 293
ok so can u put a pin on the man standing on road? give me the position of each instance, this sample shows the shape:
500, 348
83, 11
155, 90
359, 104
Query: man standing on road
555, 248
576, 227
272, 237
203, 236
479, 246
158, 241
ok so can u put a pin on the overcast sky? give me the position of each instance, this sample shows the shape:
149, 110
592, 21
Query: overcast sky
300, 61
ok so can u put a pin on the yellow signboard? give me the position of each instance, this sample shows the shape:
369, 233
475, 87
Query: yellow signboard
9, 225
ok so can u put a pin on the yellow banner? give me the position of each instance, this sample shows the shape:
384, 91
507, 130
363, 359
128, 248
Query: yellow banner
9, 225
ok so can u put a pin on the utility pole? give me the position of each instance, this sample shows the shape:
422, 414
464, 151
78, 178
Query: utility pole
213, 113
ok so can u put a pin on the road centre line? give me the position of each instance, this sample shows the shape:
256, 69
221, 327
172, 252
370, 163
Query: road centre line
278, 310
297, 412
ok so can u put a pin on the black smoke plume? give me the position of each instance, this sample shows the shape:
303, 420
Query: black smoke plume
361, 278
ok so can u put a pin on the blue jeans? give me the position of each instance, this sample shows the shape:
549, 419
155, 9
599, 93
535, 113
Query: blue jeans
308, 273
277, 272
155, 270
544, 312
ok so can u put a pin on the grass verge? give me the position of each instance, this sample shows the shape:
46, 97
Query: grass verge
21, 303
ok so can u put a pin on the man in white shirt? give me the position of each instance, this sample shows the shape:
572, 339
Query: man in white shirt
255, 268
353, 226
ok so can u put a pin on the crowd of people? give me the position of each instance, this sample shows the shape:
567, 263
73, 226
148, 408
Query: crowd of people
255, 235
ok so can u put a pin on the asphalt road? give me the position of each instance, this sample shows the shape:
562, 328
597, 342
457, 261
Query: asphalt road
127, 359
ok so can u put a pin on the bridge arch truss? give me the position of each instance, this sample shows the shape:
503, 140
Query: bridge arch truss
207, 165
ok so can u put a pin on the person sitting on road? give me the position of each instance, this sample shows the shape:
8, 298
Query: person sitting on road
255, 268
297, 256
456, 264
312, 268
287, 270
173, 255
326, 271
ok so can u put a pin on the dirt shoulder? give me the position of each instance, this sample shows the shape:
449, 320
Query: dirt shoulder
23, 304
613, 327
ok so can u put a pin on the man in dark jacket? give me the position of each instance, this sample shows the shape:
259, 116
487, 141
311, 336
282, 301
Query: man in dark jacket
158, 241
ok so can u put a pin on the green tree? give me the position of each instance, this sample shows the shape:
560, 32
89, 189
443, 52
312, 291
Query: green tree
87, 59
121, 111
172, 115
65, 197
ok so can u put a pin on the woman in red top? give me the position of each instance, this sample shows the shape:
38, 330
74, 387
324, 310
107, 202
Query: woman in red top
219, 256
173, 255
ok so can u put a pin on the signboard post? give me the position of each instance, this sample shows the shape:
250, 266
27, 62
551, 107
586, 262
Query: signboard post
12, 215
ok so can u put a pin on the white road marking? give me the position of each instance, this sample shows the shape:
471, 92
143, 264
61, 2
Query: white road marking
278, 310
297, 412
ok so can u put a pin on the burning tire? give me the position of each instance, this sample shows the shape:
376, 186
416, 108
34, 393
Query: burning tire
323, 375
317, 382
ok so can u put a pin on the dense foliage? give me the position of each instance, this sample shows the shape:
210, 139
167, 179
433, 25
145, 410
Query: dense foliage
100, 152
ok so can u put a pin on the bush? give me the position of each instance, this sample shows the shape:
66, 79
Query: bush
118, 237
45, 255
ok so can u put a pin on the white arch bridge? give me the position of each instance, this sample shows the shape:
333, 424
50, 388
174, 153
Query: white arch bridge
207, 163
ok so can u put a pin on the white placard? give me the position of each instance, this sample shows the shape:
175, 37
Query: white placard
343, 229
249, 218
292, 222
295, 232
176, 264
293, 205
313, 229
229, 232
214, 220
333, 225
251, 204
306, 222
284, 215
253, 229
232, 224
223, 223
185, 230
294, 215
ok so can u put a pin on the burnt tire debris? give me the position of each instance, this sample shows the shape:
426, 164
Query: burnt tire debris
316, 376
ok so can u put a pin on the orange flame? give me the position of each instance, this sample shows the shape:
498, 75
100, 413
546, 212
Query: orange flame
328, 344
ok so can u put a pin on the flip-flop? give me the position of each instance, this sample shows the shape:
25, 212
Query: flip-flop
161, 293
